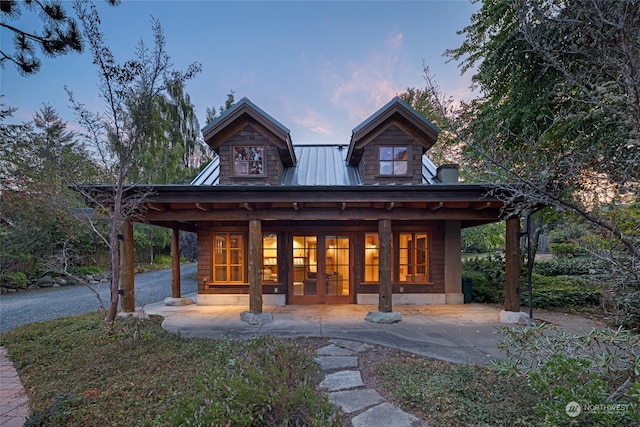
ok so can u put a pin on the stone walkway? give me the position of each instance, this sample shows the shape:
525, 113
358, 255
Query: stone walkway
339, 361
14, 405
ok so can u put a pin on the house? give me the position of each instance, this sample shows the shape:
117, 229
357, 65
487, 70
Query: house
368, 222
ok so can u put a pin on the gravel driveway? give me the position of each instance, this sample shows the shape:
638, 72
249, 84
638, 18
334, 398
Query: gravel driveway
50, 303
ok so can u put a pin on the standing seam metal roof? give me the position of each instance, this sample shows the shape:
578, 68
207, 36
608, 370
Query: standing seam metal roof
317, 165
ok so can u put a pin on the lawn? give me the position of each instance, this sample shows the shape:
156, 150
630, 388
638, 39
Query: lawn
78, 372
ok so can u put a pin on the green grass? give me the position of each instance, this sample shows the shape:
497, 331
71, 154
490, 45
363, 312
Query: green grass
447, 394
79, 373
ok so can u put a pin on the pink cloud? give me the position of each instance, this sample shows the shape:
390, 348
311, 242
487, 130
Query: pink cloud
361, 87
315, 122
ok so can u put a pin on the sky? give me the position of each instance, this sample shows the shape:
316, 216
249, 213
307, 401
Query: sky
318, 67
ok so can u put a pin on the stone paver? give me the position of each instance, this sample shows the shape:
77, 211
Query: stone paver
385, 415
342, 380
355, 400
347, 388
334, 350
329, 363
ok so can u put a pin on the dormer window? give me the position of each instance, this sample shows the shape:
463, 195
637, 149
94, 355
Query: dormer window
248, 160
394, 159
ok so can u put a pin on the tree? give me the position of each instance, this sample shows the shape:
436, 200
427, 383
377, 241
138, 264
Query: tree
59, 35
131, 92
448, 149
557, 120
35, 203
212, 113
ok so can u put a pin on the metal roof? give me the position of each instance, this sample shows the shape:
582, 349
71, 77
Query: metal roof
317, 165
429, 171
210, 175
321, 165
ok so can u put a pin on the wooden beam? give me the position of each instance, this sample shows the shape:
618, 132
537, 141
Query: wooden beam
482, 206
127, 269
512, 265
325, 213
255, 266
175, 263
156, 207
384, 266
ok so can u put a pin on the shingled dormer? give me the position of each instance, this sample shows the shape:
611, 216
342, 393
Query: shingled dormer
253, 147
388, 147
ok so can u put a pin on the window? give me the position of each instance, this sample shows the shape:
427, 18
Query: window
228, 258
394, 160
248, 160
269, 257
371, 251
413, 257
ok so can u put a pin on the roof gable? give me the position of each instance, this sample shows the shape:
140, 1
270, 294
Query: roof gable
395, 112
244, 113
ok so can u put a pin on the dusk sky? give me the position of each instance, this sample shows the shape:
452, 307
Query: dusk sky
320, 68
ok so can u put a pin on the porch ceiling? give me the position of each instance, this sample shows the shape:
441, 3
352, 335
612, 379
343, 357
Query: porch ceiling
179, 206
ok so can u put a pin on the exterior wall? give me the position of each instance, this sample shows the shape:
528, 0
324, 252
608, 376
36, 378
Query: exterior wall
453, 262
272, 163
205, 246
442, 287
369, 163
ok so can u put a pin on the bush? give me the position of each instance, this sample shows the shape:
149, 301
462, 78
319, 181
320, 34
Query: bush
254, 390
564, 249
551, 292
86, 270
576, 266
596, 370
487, 275
162, 259
18, 279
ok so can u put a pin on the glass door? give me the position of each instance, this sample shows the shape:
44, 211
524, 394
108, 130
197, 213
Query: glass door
321, 270
337, 269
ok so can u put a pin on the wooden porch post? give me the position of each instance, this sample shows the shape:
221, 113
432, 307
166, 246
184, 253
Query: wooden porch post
384, 266
175, 263
255, 265
512, 266
127, 269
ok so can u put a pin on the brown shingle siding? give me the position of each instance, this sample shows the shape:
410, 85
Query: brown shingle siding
393, 135
272, 161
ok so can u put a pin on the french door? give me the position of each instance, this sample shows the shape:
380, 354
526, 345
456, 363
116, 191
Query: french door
321, 269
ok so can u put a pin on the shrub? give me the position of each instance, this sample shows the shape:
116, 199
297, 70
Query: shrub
564, 249
575, 266
86, 270
162, 259
19, 280
487, 275
550, 292
252, 389
594, 369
